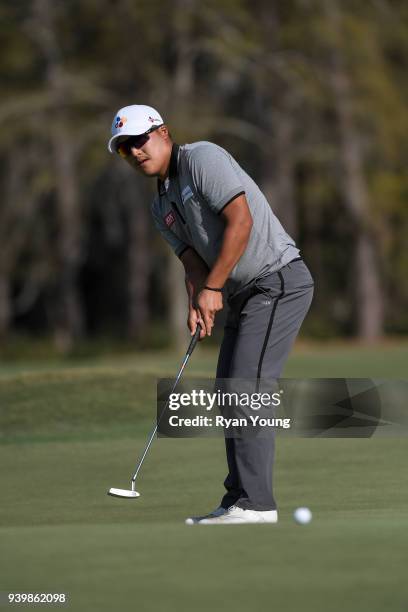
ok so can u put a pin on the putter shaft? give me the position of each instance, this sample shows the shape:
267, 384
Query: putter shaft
190, 349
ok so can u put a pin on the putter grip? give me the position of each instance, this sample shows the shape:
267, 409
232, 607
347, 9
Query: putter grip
194, 340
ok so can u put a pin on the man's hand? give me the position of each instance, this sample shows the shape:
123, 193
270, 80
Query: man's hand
208, 304
194, 317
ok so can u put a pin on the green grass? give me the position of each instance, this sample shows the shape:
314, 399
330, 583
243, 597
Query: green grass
69, 432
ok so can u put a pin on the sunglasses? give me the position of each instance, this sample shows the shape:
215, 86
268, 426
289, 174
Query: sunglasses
124, 148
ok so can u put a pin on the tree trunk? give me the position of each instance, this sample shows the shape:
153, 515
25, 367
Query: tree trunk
369, 296
5, 306
16, 215
368, 290
69, 312
278, 181
279, 166
139, 265
286, 205
70, 319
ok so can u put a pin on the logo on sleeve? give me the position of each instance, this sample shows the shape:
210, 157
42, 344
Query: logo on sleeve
186, 194
169, 219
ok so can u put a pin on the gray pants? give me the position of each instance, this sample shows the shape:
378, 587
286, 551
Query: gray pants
261, 327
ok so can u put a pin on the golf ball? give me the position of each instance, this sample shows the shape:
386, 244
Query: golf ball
302, 516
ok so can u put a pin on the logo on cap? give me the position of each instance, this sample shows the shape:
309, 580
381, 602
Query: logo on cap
120, 121
152, 120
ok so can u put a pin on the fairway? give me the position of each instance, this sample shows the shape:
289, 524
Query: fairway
68, 433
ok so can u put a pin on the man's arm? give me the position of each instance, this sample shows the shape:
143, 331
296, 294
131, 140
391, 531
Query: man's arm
238, 225
196, 271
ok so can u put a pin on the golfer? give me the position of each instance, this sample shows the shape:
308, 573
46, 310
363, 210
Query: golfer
233, 248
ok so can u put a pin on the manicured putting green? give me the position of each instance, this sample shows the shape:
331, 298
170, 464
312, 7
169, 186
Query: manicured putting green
71, 434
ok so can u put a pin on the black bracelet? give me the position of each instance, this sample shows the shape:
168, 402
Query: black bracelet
212, 288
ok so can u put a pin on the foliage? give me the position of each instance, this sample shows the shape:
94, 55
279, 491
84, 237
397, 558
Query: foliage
229, 71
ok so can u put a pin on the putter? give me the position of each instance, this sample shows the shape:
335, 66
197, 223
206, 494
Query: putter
132, 493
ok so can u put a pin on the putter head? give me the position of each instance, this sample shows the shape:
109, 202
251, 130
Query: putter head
126, 493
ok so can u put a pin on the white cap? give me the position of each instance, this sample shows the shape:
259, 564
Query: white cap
132, 121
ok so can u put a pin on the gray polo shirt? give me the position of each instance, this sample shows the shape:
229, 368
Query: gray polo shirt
203, 179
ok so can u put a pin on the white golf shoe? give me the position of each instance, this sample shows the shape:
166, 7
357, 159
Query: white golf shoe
238, 516
193, 520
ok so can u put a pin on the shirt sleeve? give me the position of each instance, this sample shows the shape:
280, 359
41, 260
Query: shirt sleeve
175, 243
214, 176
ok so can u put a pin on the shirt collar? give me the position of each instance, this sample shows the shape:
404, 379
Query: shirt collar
173, 168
